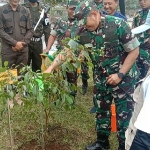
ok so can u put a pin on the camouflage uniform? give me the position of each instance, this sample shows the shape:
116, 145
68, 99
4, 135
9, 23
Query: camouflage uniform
15, 26
113, 35
84, 66
143, 60
66, 27
36, 45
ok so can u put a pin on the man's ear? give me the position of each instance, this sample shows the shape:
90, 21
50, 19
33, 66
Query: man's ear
117, 3
94, 14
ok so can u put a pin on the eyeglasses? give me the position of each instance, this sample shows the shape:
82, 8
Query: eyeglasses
142, 0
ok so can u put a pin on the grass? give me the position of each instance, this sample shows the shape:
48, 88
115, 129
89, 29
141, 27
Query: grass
73, 129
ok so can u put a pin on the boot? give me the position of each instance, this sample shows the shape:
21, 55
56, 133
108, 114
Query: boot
102, 143
84, 86
121, 145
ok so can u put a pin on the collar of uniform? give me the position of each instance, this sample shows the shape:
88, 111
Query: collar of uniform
145, 11
10, 8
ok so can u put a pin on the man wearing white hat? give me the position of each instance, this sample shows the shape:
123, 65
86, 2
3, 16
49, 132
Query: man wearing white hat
143, 60
138, 132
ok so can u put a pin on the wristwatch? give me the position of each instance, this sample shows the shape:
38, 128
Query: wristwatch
120, 75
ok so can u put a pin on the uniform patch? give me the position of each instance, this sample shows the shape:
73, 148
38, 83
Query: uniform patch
5, 11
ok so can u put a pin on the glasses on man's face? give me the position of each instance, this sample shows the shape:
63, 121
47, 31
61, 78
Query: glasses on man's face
142, 0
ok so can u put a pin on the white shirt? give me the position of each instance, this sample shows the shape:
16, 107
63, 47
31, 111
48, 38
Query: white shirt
143, 120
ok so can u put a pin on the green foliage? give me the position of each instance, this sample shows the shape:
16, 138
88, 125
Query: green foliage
56, 2
132, 4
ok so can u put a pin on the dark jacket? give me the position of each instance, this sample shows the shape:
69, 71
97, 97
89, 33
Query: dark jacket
44, 25
15, 26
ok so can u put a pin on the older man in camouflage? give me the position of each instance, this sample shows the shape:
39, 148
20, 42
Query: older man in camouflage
114, 53
84, 66
143, 61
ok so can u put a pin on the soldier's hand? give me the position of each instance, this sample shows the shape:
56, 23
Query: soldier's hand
113, 79
19, 45
14, 49
46, 51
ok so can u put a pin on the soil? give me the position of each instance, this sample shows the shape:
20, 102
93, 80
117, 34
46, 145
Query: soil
56, 135
34, 145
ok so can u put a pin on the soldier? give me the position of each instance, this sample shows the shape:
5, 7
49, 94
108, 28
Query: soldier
15, 31
114, 70
99, 4
143, 60
138, 94
84, 66
62, 27
61, 30
36, 46
110, 7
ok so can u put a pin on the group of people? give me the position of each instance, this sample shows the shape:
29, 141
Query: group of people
115, 74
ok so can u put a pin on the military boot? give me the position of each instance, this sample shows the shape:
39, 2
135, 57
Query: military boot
84, 86
121, 145
102, 143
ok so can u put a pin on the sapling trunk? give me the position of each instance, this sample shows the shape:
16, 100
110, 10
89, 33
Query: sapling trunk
9, 124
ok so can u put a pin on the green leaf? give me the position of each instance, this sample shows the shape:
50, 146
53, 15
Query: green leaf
69, 99
54, 89
5, 63
86, 54
40, 97
11, 94
34, 90
80, 47
90, 64
2, 69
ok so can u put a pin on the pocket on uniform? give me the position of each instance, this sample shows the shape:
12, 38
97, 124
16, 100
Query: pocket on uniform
23, 27
8, 27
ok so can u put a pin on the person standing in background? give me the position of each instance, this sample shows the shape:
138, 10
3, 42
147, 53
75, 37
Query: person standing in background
110, 7
16, 32
36, 46
143, 61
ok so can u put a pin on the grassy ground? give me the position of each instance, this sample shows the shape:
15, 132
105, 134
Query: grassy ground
68, 130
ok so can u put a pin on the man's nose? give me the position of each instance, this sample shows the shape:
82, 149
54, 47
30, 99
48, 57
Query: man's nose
106, 6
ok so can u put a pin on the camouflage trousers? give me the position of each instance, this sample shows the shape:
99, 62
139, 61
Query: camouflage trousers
143, 62
103, 96
84, 70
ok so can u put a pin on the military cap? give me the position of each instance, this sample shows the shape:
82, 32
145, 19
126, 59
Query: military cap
82, 11
144, 27
72, 3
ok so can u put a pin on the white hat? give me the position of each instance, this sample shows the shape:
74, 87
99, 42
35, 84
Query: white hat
143, 27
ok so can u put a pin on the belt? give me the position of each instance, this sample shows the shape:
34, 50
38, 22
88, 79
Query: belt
35, 39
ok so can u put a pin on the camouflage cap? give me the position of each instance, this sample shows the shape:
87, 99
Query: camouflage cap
82, 11
72, 3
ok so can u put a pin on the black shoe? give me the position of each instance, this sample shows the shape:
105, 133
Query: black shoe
84, 89
93, 110
121, 146
97, 146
